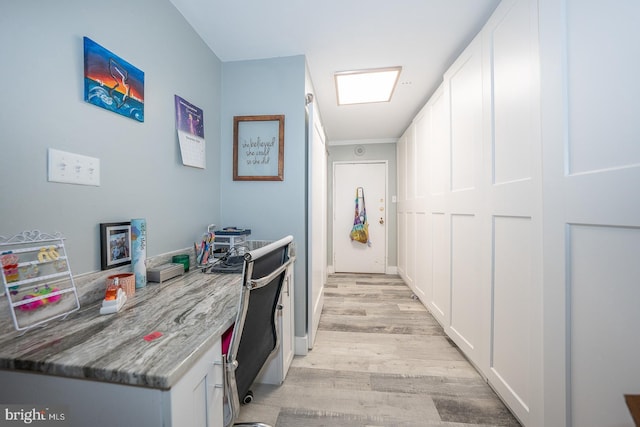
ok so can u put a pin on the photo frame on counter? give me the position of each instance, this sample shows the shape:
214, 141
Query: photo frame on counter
115, 244
258, 148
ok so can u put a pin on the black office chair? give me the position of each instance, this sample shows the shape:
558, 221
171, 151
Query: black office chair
255, 334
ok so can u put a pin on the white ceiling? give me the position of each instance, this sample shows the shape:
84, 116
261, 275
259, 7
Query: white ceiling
422, 36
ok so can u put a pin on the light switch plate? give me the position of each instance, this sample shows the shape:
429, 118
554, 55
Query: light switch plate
73, 168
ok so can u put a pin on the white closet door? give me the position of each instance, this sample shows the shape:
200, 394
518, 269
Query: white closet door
463, 210
591, 146
512, 259
423, 280
317, 224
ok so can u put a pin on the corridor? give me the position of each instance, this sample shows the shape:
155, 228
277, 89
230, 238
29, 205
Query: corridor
380, 359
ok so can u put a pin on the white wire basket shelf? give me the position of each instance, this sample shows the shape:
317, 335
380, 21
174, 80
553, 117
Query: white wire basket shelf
36, 278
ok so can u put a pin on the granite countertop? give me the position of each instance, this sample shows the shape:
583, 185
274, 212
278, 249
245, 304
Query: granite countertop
190, 311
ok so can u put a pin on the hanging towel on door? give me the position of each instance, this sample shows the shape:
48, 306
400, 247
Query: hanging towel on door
360, 230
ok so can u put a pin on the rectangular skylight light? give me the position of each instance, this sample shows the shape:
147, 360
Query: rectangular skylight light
365, 86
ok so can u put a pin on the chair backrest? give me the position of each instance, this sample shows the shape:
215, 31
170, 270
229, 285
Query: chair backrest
255, 336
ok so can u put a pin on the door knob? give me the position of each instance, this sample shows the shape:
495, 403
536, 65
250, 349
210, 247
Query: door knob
381, 221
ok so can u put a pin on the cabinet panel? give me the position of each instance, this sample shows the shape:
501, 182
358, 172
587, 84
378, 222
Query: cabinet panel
602, 84
512, 62
441, 268
604, 319
422, 140
410, 163
423, 258
439, 146
465, 285
465, 90
511, 315
195, 400
410, 249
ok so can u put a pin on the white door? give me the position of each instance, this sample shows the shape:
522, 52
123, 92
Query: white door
351, 256
591, 159
317, 224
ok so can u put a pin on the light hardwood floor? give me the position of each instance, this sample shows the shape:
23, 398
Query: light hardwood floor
380, 359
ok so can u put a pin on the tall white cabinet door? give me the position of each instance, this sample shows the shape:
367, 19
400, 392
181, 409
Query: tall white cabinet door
463, 214
401, 205
422, 247
591, 146
410, 241
317, 223
438, 244
511, 259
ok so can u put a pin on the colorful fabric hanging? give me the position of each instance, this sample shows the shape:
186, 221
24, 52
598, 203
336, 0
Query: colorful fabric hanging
360, 230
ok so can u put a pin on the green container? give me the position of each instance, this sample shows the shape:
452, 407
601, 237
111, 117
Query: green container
181, 259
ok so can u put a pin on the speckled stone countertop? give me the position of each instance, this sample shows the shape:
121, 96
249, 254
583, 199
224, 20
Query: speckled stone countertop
191, 312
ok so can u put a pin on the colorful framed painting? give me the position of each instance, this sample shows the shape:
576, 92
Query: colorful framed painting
112, 83
115, 244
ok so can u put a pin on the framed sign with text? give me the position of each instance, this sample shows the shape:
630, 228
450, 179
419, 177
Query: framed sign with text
258, 148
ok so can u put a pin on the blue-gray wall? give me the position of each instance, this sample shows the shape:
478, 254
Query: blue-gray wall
272, 209
41, 56
141, 169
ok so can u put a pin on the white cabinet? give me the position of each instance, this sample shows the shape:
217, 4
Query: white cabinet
478, 206
276, 369
195, 400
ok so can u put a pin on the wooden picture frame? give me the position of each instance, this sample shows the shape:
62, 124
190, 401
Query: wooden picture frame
115, 244
258, 148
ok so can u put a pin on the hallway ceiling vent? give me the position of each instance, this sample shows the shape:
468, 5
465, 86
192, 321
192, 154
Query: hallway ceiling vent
366, 86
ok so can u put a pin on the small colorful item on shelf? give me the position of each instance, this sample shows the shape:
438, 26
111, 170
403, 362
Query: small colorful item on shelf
43, 256
48, 254
8, 258
29, 271
9, 262
53, 254
39, 302
60, 265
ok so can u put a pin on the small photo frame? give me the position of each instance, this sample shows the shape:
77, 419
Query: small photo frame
115, 244
258, 148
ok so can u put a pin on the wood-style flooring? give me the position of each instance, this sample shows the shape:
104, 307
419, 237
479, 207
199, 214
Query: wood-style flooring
380, 359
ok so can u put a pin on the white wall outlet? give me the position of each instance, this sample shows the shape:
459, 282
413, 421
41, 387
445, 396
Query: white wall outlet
73, 168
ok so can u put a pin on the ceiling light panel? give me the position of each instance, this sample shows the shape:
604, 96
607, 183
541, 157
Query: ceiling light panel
365, 86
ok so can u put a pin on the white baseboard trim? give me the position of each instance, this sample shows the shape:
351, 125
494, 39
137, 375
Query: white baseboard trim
390, 269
